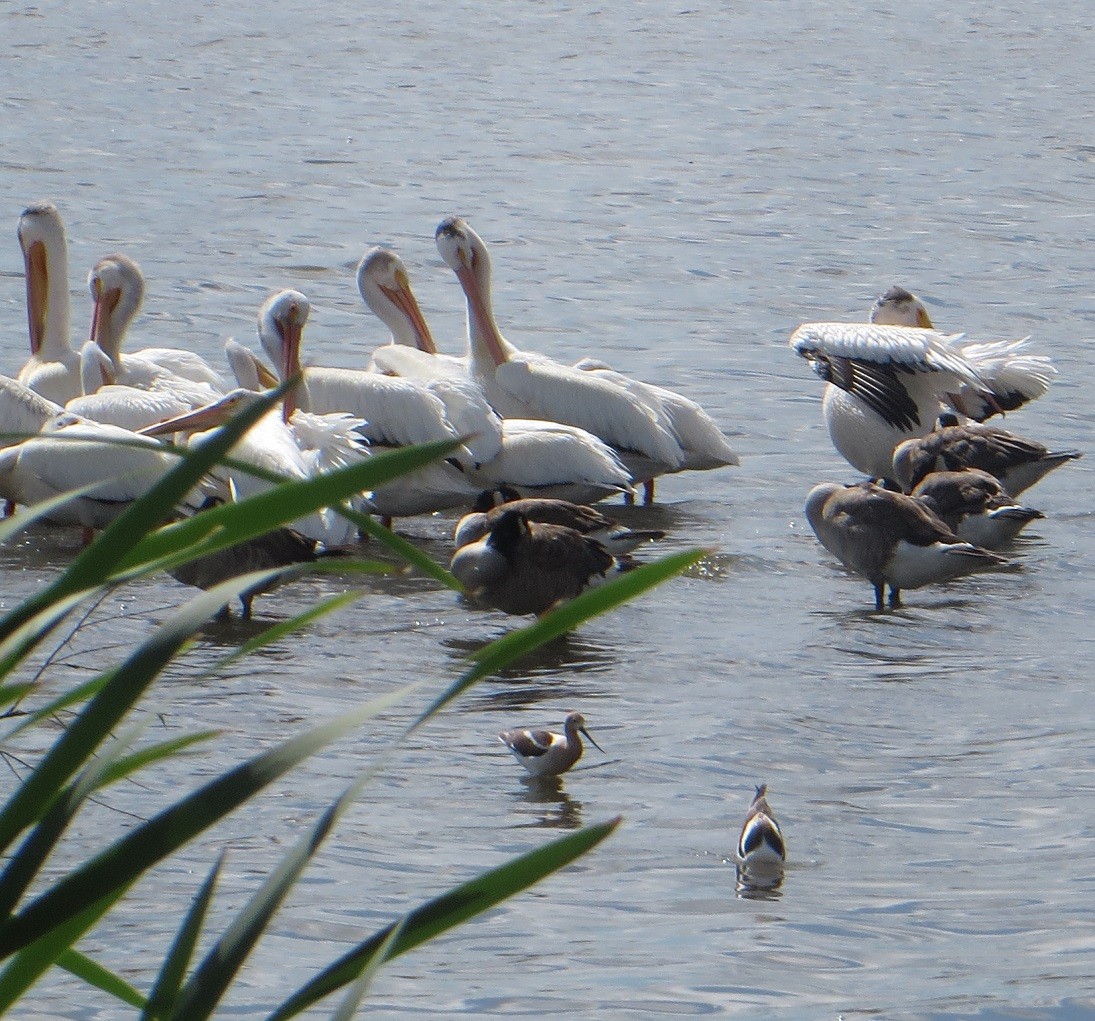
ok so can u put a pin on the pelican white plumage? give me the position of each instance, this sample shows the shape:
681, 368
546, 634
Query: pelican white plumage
1012, 375
272, 445
885, 384
890, 539
53, 369
385, 287
524, 385
397, 412
68, 452
132, 407
537, 457
117, 289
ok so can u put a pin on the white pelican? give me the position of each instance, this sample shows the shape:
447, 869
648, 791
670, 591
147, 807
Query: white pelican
545, 753
117, 288
131, 407
1017, 462
397, 412
272, 445
975, 506
522, 567
53, 369
761, 842
394, 412
890, 539
884, 384
385, 287
1013, 377
525, 385
537, 457
68, 452
493, 503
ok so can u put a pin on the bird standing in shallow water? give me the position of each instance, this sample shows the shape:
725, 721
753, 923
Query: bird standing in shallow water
545, 753
761, 840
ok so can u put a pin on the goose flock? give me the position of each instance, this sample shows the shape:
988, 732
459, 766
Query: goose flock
539, 441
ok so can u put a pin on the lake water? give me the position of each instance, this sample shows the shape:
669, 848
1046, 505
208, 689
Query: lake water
672, 189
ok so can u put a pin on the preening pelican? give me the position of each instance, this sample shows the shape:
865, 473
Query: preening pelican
890, 539
397, 412
68, 452
272, 445
131, 407
1013, 376
537, 457
885, 384
522, 385
117, 289
53, 369
385, 287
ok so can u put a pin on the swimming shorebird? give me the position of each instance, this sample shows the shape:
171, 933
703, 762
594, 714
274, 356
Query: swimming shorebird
492, 503
890, 539
546, 753
761, 841
521, 566
1017, 462
975, 506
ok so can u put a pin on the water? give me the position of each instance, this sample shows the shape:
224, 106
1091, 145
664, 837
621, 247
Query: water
673, 191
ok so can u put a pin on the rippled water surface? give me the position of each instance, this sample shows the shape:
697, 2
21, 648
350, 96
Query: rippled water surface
673, 190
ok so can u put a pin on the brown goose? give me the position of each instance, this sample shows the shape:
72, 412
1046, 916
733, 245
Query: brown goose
761, 841
521, 566
890, 539
492, 503
975, 506
1017, 462
545, 753
282, 547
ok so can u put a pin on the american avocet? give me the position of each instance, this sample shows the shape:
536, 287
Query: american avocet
1017, 462
492, 503
975, 506
761, 841
890, 539
546, 753
522, 567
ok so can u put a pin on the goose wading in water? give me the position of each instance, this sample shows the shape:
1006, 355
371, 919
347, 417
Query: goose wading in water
890, 539
975, 506
493, 503
522, 567
1017, 462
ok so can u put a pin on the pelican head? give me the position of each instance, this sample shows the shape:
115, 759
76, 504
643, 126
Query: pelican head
466, 255
386, 288
117, 288
209, 417
281, 323
898, 307
45, 257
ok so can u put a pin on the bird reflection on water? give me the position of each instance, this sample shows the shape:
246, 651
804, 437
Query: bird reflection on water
562, 811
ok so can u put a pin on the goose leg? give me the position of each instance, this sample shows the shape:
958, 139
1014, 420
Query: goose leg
648, 492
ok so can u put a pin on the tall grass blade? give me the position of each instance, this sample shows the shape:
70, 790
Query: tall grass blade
81, 693
103, 712
94, 974
211, 979
505, 650
351, 1003
127, 858
165, 990
442, 913
287, 627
